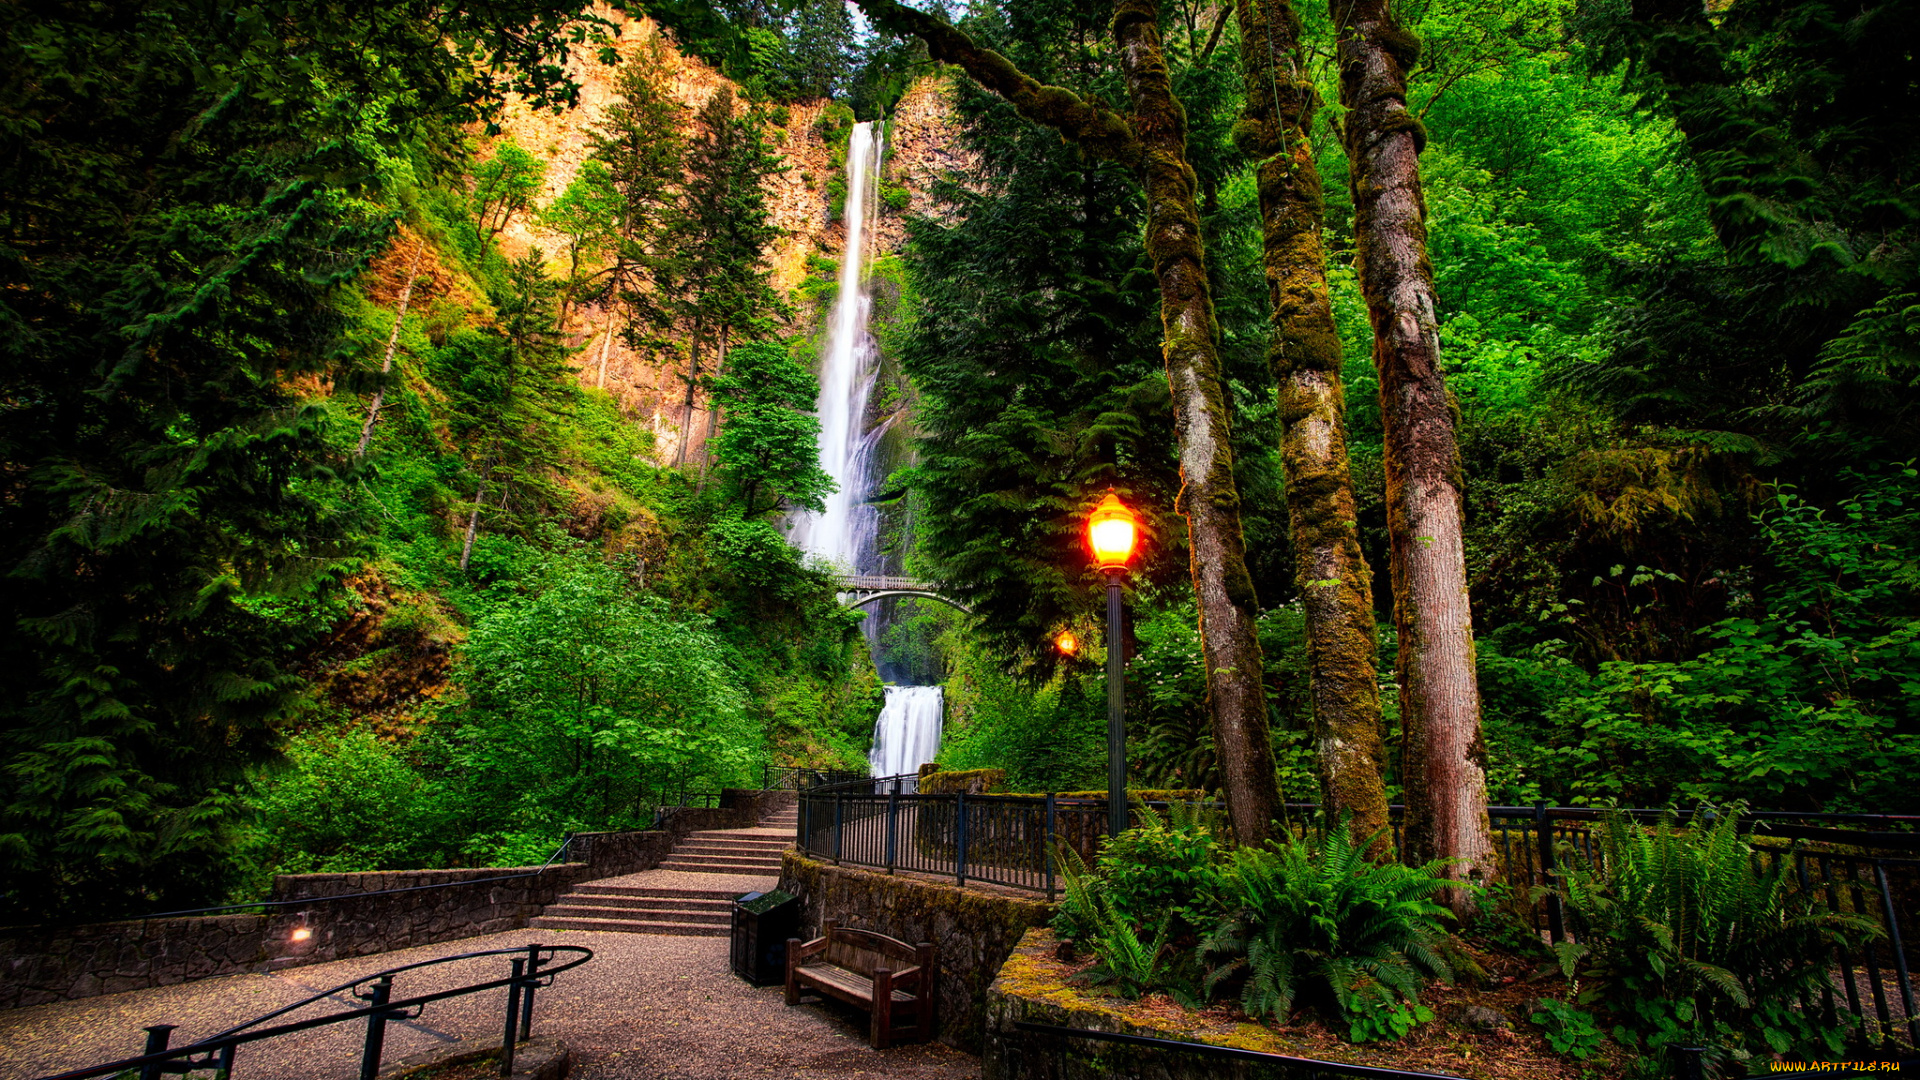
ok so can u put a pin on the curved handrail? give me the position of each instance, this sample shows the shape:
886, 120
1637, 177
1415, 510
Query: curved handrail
545, 972
219, 1048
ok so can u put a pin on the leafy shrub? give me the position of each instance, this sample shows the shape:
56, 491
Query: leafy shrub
1570, 1031
1316, 918
1166, 867
1688, 940
350, 801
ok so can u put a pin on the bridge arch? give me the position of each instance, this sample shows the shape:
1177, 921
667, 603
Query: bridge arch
859, 590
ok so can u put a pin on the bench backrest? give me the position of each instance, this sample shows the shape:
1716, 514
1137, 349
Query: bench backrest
862, 951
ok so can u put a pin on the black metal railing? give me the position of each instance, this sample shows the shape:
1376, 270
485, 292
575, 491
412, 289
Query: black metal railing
531, 969
1856, 863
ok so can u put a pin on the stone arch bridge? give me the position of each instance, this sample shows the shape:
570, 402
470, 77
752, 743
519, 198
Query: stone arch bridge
859, 590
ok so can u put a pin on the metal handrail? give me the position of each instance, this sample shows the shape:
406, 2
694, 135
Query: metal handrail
529, 973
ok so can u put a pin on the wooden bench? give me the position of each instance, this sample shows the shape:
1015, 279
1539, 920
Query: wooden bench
887, 977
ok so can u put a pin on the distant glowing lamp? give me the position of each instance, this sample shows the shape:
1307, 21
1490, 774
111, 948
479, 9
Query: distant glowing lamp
1112, 530
1067, 643
301, 933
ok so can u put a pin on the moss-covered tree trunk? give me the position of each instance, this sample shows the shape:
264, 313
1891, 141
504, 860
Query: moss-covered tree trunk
1153, 141
1209, 497
1335, 585
1443, 762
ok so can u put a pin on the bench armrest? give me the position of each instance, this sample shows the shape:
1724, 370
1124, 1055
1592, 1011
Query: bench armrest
809, 948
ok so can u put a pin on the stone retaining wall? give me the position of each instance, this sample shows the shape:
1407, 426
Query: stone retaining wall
974, 928
54, 963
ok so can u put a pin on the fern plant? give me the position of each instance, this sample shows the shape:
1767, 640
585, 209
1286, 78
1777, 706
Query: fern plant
1315, 921
1688, 938
1089, 917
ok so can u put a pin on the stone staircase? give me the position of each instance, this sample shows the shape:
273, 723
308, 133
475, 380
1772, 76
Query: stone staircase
692, 890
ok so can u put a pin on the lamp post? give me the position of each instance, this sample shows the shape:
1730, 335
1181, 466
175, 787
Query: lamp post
1111, 532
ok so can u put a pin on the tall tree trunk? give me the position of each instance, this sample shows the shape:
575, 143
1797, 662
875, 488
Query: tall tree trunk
1209, 496
686, 415
1154, 143
386, 365
606, 347
1336, 588
1444, 761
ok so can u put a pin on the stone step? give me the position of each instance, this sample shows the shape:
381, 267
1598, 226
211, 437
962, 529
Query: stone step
655, 892
631, 926
741, 836
644, 903
581, 911
745, 851
743, 858
690, 867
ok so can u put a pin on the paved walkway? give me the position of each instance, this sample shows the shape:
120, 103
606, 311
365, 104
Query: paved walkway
647, 1006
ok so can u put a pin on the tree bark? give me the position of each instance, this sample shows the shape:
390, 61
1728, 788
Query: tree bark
605, 348
386, 365
1154, 143
1444, 757
1209, 496
1336, 587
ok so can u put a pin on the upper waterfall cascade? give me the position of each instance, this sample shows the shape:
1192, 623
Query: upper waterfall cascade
907, 733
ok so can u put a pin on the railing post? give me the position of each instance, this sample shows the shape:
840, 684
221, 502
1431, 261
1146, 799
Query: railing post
1688, 1063
511, 1037
1543, 827
376, 1027
1046, 848
1899, 949
157, 1038
526, 996
839, 818
893, 823
960, 839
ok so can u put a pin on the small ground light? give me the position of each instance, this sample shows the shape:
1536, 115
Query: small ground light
301, 933
1067, 643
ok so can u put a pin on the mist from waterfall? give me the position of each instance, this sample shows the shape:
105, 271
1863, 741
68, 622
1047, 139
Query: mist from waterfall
908, 731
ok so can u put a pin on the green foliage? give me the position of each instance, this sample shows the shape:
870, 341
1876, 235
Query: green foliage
504, 187
1804, 698
1689, 940
1570, 1031
1312, 921
347, 801
1167, 868
767, 446
582, 695
182, 206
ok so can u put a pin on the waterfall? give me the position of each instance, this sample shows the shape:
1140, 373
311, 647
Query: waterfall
908, 731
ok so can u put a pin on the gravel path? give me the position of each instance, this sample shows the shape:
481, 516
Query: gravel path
646, 1006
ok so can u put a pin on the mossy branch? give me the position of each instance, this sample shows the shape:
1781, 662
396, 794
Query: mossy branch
1093, 127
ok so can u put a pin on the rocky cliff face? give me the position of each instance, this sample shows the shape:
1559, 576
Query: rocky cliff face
923, 143
921, 136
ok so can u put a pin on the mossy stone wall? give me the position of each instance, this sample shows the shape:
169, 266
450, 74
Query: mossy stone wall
971, 781
974, 929
1032, 987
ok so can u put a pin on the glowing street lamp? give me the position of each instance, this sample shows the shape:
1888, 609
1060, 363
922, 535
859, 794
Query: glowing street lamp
1112, 531
1067, 643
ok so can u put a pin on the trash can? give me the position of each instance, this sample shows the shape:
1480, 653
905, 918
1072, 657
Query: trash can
762, 923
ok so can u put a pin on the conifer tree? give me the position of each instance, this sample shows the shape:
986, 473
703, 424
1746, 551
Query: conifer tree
514, 393
723, 284
178, 222
638, 139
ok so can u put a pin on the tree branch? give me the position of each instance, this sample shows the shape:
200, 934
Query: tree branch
1092, 126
